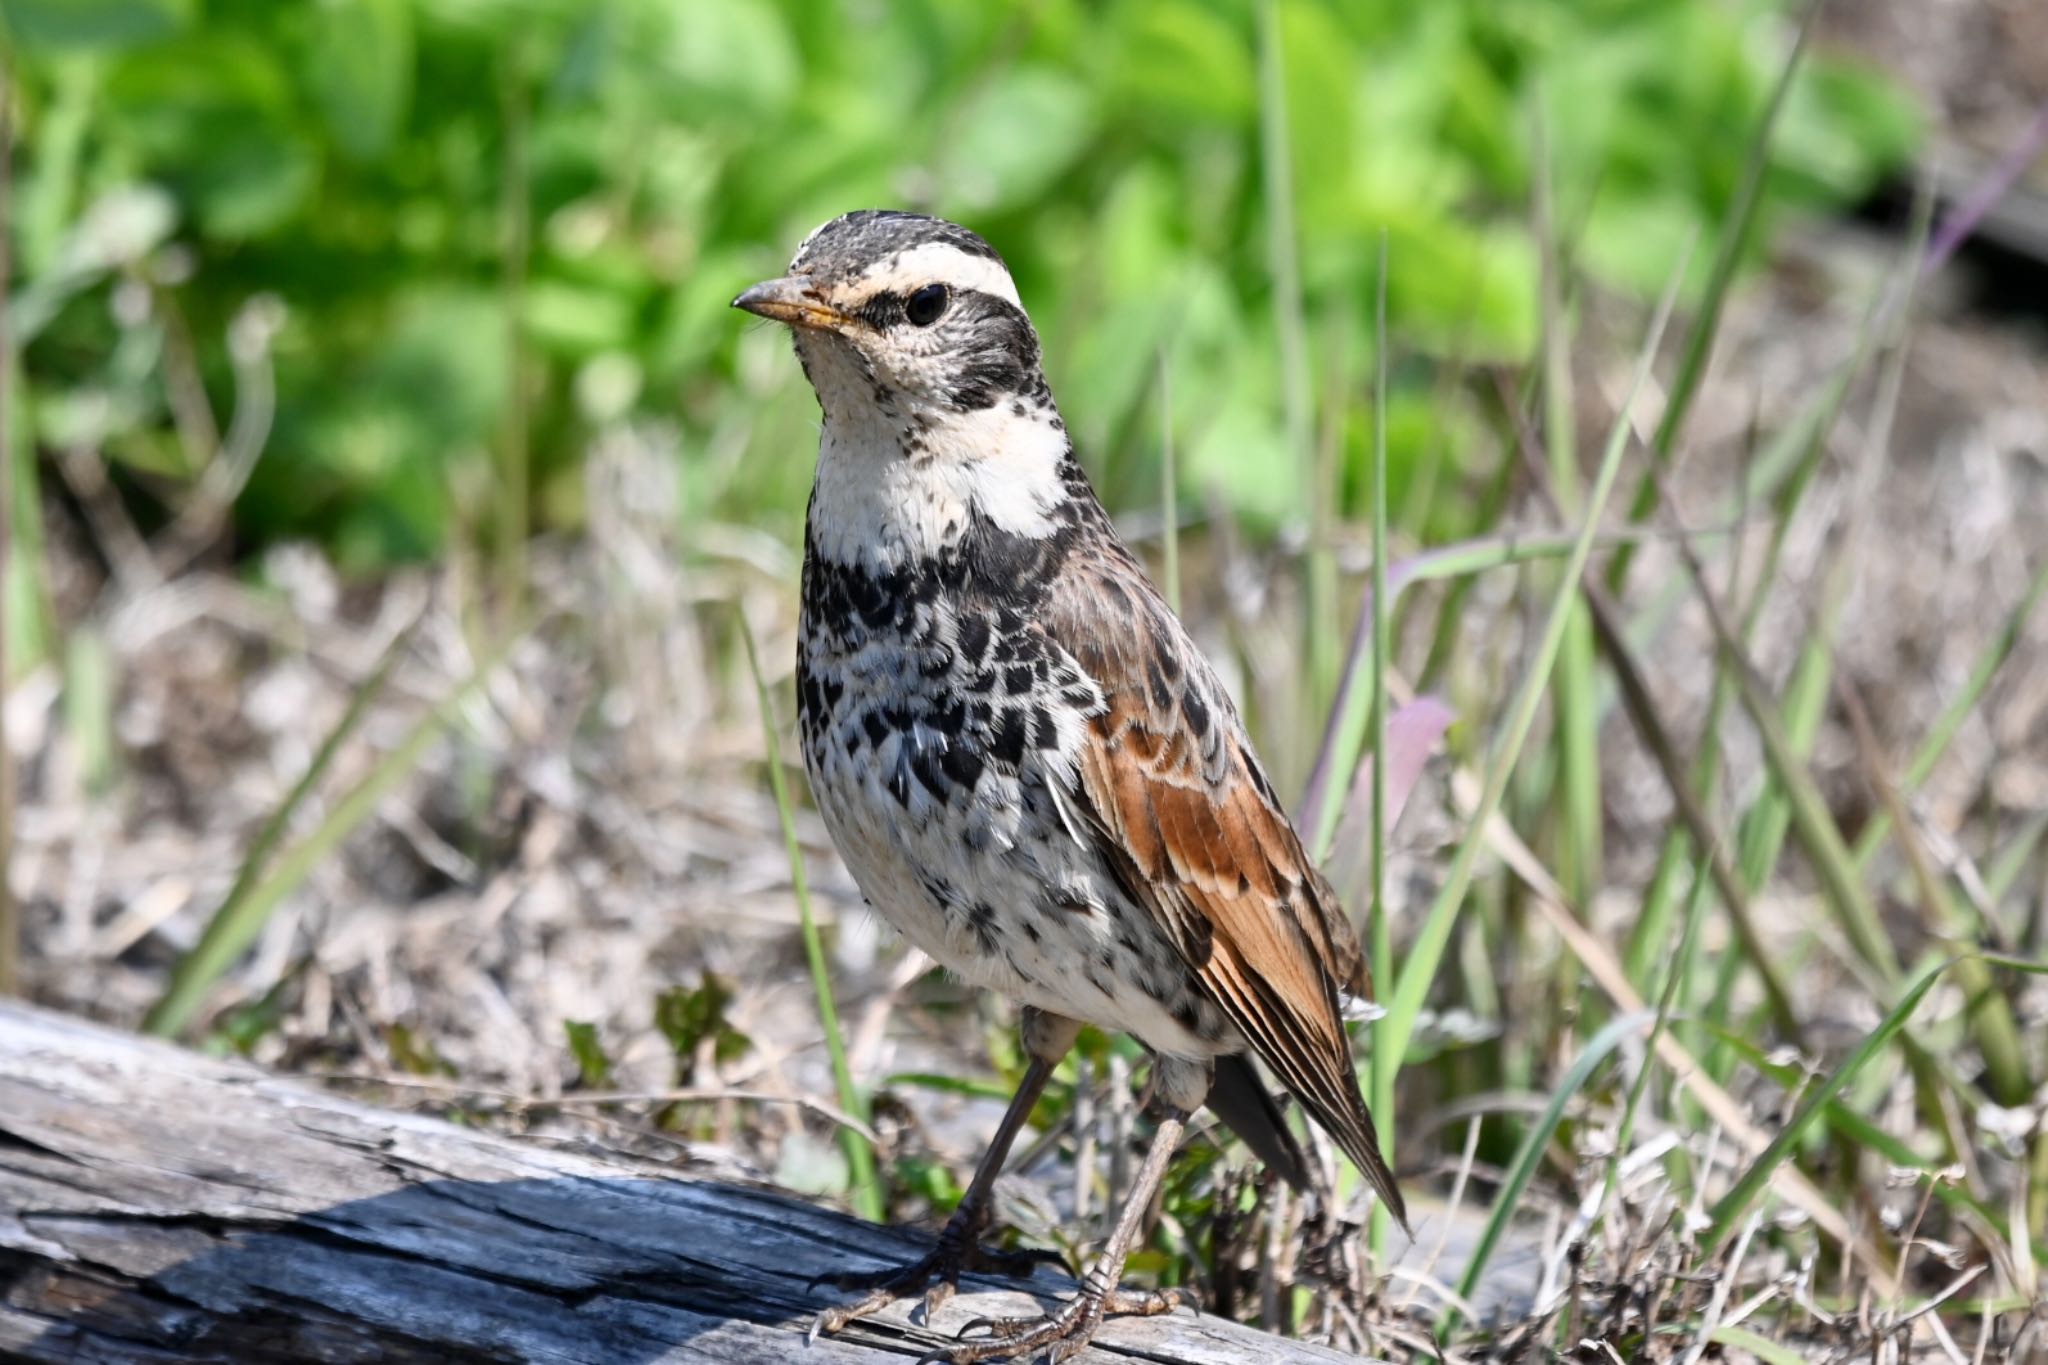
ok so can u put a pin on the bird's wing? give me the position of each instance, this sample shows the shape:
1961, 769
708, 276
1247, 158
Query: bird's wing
1167, 778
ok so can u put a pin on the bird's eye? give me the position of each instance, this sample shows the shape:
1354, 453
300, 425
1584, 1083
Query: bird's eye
924, 307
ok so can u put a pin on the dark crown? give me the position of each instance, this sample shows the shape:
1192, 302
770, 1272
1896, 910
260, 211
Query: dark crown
854, 241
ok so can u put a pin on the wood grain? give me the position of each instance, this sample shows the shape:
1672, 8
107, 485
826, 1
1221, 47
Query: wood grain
157, 1205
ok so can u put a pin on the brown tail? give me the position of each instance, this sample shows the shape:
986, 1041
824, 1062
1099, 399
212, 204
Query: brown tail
1239, 1097
1360, 1139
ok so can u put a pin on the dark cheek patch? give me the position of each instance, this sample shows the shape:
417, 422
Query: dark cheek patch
996, 353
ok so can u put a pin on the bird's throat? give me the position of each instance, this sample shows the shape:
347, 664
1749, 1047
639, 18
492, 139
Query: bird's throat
893, 491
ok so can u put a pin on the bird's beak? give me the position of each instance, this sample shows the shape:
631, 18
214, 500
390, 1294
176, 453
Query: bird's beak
794, 300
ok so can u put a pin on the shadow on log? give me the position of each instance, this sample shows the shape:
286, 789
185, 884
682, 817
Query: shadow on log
156, 1205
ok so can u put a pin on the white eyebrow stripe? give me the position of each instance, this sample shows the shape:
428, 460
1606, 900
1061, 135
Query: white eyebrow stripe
942, 263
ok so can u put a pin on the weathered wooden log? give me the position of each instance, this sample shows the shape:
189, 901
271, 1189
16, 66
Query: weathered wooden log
157, 1205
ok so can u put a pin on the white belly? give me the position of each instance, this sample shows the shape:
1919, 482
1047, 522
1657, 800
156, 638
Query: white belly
994, 887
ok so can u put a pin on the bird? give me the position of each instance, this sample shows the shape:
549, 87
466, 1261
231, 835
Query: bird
1026, 763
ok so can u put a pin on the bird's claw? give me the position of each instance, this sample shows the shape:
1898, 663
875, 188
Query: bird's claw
937, 1273
1062, 1333
973, 1325
833, 1319
935, 1298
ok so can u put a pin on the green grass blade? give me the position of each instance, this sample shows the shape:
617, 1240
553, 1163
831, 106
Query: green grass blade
1854, 1127
1763, 1348
1169, 488
1345, 727
1577, 726
10, 910
1762, 832
267, 838
1276, 161
2006, 865
1675, 977
1807, 810
1956, 712
515, 211
241, 917
1290, 327
1733, 1205
1530, 1154
1651, 929
967, 1087
1699, 344
1818, 834
1804, 703
1450, 612
1419, 970
90, 688
1381, 931
1632, 681
860, 1157
1990, 1013
1465, 558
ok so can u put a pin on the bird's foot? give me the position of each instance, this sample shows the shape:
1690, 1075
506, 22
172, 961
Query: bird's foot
937, 1273
1060, 1334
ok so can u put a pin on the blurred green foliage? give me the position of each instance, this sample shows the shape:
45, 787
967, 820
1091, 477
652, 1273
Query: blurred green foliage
593, 1063
361, 163
689, 1017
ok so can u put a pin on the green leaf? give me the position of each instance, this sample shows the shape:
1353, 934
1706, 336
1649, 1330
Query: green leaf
967, 1087
242, 1027
1842, 129
591, 1061
54, 24
730, 58
576, 320
1464, 290
1763, 1348
689, 1018
1320, 76
1243, 453
1634, 239
1182, 61
438, 378
988, 165
358, 65
414, 1055
212, 118
929, 1180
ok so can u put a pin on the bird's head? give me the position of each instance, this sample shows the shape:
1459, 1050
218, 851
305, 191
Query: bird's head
904, 315
939, 426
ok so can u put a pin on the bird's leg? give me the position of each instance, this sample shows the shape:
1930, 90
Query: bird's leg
1065, 1332
1047, 1039
1179, 1086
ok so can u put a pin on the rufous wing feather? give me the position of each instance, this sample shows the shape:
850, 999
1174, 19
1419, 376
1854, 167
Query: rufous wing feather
1169, 781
